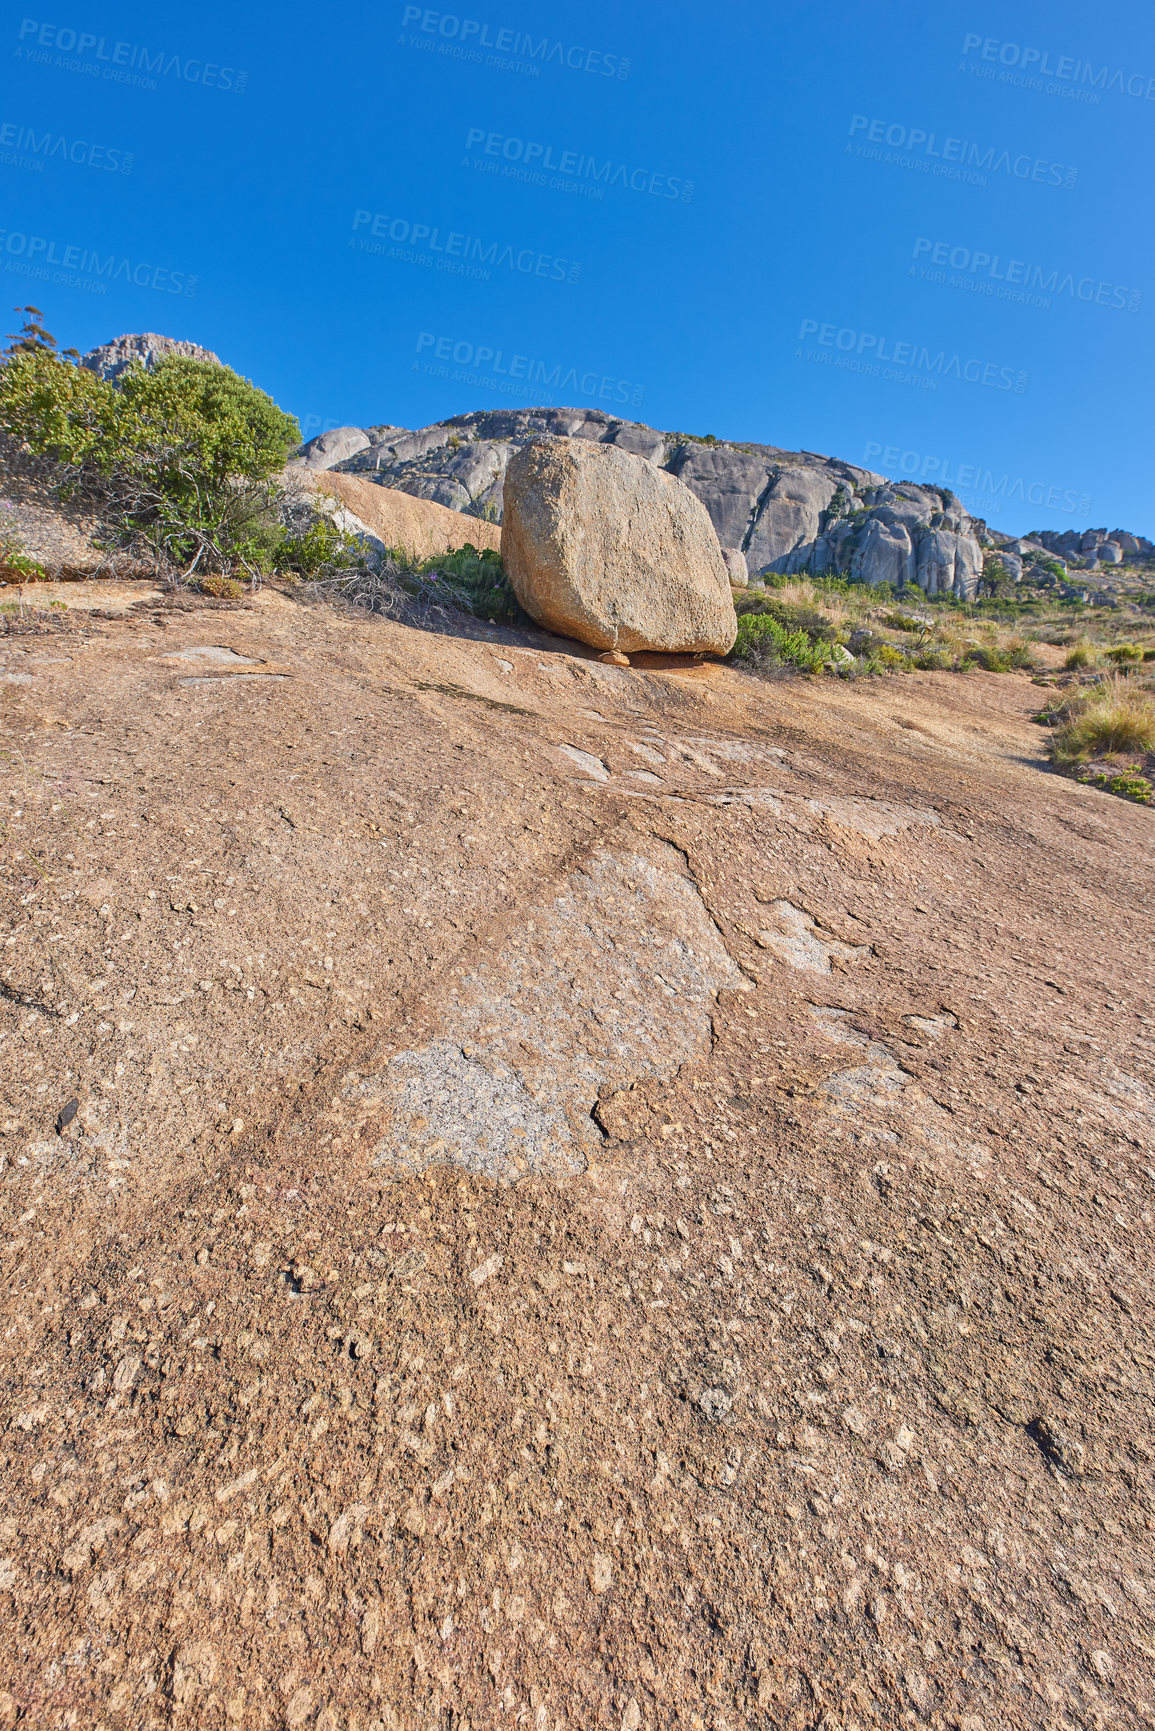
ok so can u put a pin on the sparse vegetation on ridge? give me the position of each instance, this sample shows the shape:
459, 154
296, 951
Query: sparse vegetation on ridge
178, 461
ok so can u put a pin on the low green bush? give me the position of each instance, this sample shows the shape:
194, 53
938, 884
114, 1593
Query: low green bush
475, 582
763, 643
1127, 783
791, 615
320, 549
221, 588
1110, 717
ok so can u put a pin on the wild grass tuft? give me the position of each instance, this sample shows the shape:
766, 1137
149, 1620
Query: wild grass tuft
1111, 718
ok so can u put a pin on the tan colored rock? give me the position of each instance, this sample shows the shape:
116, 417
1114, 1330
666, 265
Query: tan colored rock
398, 519
601, 546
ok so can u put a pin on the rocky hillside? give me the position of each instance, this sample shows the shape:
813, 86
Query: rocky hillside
781, 510
537, 1194
774, 510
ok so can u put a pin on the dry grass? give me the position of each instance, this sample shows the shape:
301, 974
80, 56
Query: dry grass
1113, 718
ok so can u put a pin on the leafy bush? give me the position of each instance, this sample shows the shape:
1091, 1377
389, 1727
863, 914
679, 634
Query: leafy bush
889, 659
1122, 653
178, 459
763, 643
317, 550
476, 582
790, 615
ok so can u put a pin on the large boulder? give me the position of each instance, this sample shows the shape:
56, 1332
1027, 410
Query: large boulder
602, 546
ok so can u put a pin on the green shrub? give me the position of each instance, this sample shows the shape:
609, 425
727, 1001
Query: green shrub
222, 588
932, 661
1128, 784
763, 643
476, 582
177, 459
889, 659
1122, 653
990, 659
791, 615
317, 551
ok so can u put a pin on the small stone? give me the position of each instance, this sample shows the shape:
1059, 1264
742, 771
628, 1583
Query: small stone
125, 1373
601, 1572
632, 1717
67, 1114
1103, 1665
615, 658
715, 1403
300, 1707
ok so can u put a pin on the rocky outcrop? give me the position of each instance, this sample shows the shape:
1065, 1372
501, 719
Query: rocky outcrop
602, 546
112, 359
784, 511
331, 448
1084, 549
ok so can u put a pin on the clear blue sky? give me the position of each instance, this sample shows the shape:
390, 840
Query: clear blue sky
918, 238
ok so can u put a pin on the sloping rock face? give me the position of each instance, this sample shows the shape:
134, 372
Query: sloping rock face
112, 359
391, 519
601, 546
788, 511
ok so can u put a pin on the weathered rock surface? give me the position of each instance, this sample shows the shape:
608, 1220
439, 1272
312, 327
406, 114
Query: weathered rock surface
112, 359
331, 447
781, 510
601, 546
396, 519
817, 1391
